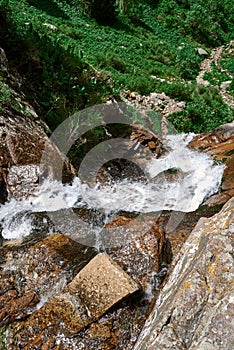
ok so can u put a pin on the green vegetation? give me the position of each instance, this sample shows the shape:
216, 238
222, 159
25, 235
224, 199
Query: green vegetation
209, 22
9, 97
216, 76
5, 93
76, 54
2, 338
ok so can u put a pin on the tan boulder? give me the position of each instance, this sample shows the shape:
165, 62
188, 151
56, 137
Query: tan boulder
95, 289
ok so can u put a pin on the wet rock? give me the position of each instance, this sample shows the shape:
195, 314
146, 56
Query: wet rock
147, 138
30, 274
195, 308
96, 288
219, 144
23, 180
217, 199
122, 323
101, 284
21, 151
140, 250
152, 146
129, 156
120, 170
139, 246
215, 142
121, 327
16, 308
117, 329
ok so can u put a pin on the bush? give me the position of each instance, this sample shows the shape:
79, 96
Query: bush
209, 22
111, 59
204, 112
188, 62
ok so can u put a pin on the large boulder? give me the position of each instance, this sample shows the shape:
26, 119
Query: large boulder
195, 308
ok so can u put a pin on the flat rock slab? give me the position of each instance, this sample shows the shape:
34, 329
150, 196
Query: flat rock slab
96, 288
195, 309
101, 284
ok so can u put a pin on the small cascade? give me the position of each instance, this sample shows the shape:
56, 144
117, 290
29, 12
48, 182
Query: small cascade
178, 181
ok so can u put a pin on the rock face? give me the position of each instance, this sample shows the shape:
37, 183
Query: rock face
22, 180
219, 144
195, 308
22, 138
96, 283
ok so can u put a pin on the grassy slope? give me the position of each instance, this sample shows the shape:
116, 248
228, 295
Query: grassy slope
154, 42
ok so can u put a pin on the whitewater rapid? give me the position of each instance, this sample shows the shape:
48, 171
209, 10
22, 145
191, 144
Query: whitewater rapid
198, 178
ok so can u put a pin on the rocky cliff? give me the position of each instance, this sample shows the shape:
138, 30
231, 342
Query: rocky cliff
195, 308
23, 138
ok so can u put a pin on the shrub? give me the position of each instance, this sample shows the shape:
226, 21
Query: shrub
204, 112
188, 62
111, 59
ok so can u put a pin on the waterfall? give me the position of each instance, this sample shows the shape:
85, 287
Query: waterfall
178, 181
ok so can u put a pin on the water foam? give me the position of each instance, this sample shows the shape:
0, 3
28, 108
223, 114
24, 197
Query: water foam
199, 178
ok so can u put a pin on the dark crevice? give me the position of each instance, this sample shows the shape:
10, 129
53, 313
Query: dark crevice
168, 321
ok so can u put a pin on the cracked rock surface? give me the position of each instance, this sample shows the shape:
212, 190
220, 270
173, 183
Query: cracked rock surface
195, 308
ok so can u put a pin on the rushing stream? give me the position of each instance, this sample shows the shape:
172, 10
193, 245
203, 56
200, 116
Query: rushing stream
178, 181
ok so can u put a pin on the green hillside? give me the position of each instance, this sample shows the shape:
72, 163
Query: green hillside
72, 60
